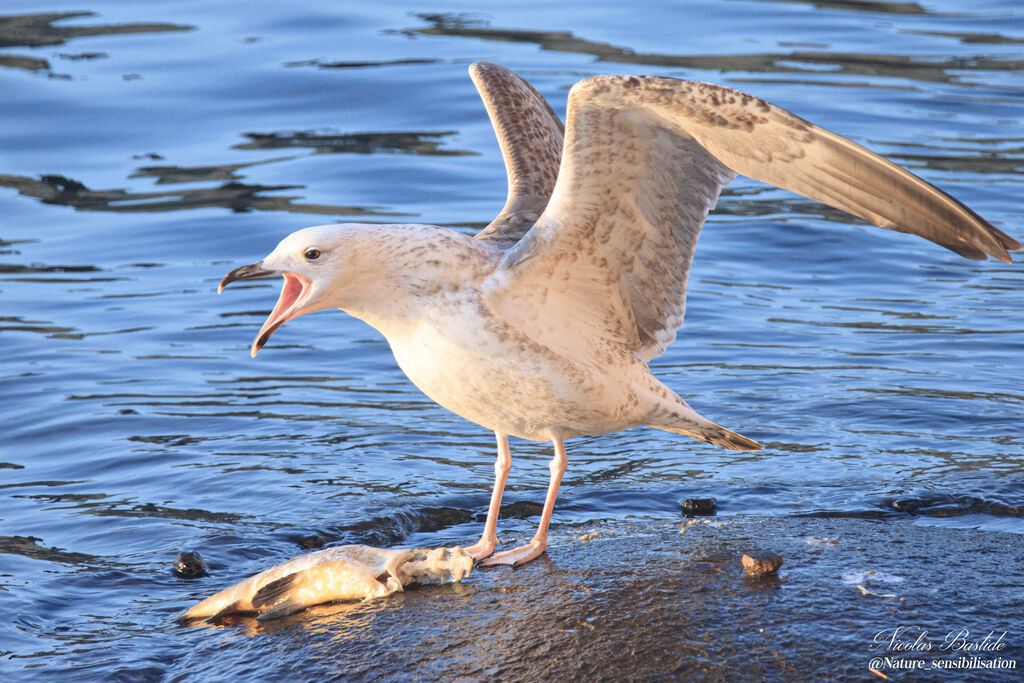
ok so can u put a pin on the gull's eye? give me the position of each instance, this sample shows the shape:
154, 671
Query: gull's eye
312, 254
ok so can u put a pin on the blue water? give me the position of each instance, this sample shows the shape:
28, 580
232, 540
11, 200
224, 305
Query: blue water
148, 148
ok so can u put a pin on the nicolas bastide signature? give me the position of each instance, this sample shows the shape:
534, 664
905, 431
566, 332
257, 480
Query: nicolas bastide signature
905, 639
958, 649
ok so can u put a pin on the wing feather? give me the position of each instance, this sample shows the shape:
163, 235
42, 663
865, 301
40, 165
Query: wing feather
643, 163
530, 136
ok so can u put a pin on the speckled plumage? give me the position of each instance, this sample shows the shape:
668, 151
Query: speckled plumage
542, 325
530, 136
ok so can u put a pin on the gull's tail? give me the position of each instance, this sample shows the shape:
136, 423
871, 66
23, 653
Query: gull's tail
686, 421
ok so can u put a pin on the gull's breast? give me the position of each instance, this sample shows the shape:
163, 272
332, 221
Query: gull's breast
481, 367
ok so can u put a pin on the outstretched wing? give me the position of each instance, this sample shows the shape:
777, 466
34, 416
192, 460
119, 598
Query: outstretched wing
530, 136
643, 163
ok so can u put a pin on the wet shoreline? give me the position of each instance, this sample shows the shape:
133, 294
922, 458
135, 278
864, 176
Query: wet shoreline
643, 601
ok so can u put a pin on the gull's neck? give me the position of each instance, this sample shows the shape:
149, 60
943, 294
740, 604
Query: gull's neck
395, 271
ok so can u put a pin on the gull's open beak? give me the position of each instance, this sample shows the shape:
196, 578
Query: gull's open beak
253, 270
295, 289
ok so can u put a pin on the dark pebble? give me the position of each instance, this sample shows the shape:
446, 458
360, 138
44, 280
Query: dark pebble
906, 505
189, 565
698, 507
312, 542
761, 566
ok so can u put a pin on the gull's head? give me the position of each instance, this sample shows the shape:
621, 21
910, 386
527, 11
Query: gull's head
312, 264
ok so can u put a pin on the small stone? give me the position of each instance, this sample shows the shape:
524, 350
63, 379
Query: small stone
698, 507
761, 566
906, 505
189, 565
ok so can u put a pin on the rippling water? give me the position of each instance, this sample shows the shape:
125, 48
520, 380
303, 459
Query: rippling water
147, 148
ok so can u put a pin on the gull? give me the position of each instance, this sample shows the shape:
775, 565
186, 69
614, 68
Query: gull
541, 325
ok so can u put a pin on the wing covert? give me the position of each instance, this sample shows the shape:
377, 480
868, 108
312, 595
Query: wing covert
644, 160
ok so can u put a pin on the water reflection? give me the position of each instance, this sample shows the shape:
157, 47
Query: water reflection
973, 38
236, 196
102, 505
17, 324
992, 157
29, 546
419, 143
763, 200
26, 63
38, 30
361, 65
343, 620
6, 268
152, 510
871, 326
169, 175
872, 6
913, 67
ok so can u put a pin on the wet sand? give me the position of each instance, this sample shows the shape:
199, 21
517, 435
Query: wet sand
639, 602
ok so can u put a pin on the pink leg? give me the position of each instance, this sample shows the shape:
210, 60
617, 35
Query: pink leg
539, 544
485, 546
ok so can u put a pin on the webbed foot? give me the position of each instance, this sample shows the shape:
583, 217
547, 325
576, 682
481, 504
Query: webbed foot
516, 556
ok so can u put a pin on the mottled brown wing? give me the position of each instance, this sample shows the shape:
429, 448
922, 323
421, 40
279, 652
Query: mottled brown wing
644, 161
530, 136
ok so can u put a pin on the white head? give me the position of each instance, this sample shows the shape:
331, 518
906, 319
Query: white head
312, 262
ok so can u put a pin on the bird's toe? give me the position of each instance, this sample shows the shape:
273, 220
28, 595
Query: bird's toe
516, 556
